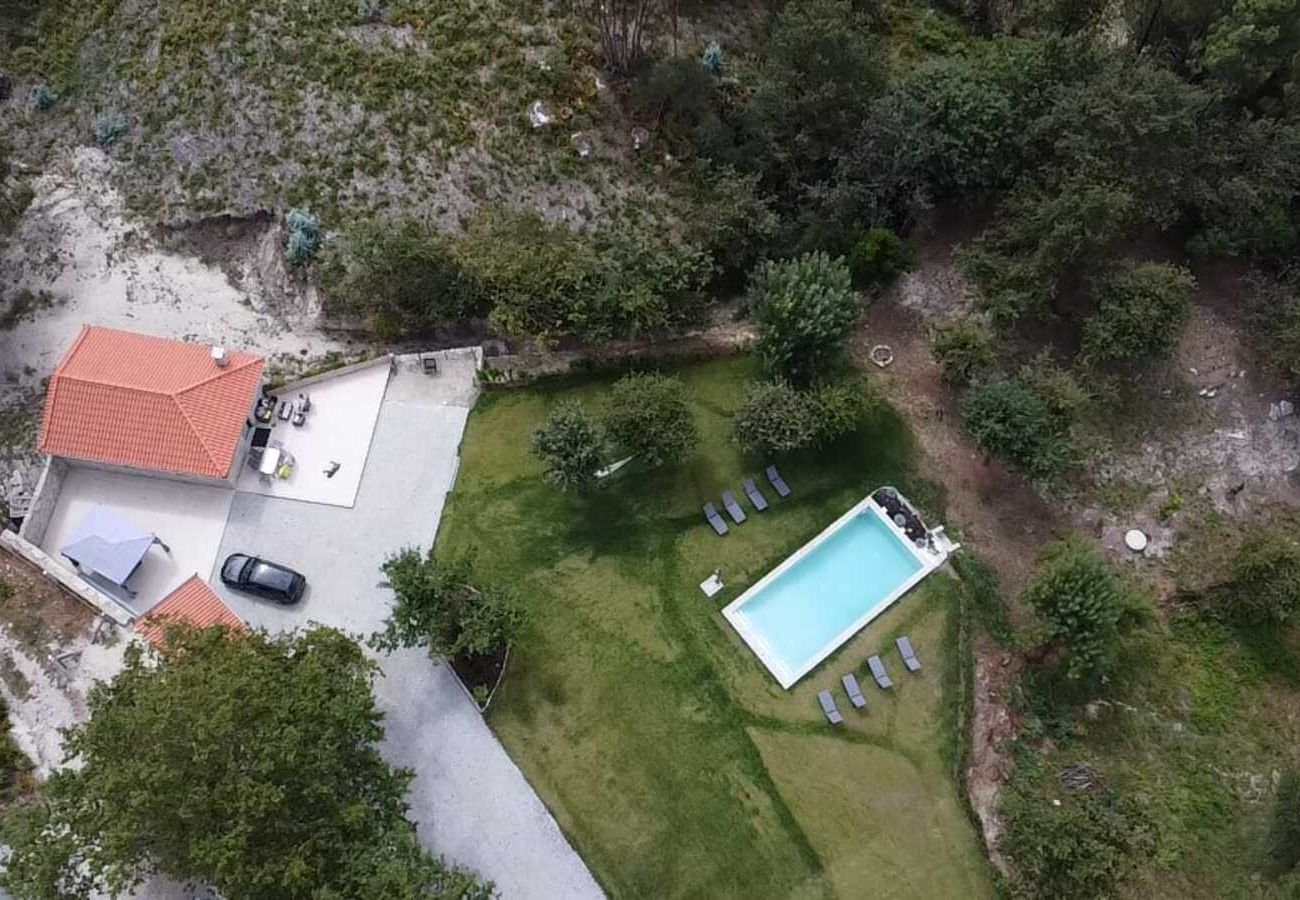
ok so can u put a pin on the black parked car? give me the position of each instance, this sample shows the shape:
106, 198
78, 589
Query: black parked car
267, 580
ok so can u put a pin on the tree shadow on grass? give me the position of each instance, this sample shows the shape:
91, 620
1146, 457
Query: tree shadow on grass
1272, 648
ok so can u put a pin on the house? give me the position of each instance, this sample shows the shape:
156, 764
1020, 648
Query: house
147, 404
145, 438
194, 604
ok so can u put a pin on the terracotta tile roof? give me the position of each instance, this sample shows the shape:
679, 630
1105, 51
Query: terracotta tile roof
193, 603
147, 402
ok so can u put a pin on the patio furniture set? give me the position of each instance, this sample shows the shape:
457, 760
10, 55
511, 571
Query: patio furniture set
755, 496
854, 691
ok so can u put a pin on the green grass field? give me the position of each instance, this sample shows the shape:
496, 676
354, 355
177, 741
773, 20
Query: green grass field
675, 763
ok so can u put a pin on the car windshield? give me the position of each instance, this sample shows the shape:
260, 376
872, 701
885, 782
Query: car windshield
234, 568
272, 577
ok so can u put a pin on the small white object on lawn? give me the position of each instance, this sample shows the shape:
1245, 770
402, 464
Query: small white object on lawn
711, 585
1135, 540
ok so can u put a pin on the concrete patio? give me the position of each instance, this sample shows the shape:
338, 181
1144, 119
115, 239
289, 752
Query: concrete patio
189, 518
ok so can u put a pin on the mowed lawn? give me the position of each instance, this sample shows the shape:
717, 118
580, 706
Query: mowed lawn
672, 759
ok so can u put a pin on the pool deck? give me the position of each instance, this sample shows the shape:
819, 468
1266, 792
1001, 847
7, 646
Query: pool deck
929, 560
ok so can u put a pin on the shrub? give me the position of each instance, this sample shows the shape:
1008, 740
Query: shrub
1081, 849
1141, 311
43, 97
109, 129
1082, 601
401, 277
440, 606
877, 257
805, 309
570, 443
304, 237
966, 352
1011, 421
774, 417
1266, 579
648, 416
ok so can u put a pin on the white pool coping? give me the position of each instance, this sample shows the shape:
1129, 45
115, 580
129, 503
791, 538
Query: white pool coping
929, 560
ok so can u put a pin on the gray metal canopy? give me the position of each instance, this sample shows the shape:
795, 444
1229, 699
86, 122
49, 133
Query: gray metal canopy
109, 545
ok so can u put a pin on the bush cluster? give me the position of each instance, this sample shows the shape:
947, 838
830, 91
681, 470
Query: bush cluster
775, 417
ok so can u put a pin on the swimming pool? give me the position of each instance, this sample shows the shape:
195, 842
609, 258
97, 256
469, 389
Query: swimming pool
829, 590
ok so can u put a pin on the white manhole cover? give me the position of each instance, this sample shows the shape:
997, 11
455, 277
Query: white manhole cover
1135, 540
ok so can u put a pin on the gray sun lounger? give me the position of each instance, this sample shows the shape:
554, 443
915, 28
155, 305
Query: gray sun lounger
755, 496
909, 655
828, 706
855, 693
729, 501
778, 482
878, 672
711, 513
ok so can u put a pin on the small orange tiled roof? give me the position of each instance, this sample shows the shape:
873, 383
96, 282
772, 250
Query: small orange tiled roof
193, 603
147, 402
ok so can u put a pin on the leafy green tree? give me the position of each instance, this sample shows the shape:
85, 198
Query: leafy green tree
649, 417
242, 761
530, 271
1141, 311
774, 417
1080, 850
403, 277
805, 309
440, 606
571, 444
1256, 47
966, 351
1082, 602
1266, 579
820, 68
1043, 240
1009, 419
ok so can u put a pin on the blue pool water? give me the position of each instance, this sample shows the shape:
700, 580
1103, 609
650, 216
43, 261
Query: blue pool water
808, 605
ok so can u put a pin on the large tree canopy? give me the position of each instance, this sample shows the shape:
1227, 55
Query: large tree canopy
242, 761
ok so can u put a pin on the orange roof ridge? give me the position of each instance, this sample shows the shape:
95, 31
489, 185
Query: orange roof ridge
192, 602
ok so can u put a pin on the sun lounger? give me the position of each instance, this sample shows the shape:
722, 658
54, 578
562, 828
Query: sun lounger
878, 672
755, 497
729, 501
909, 655
855, 693
778, 482
711, 513
828, 706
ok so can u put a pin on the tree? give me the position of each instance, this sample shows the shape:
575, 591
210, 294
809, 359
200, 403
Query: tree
1256, 47
820, 69
966, 351
625, 28
570, 443
1082, 601
440, 606
648, 416
1141, 311
529, 270
246, 762
403, 277
805, 309
1081, 849
774, 417
1009, 419
1266, 579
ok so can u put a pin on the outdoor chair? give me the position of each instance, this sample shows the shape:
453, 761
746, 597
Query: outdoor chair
878, 672
711, 513
854, 691
909, 655
755, 497
828, 707
782, 489
729, 501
